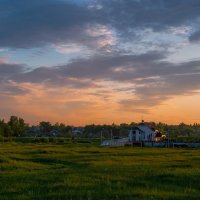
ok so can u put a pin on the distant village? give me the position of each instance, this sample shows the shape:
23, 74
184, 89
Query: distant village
133, 134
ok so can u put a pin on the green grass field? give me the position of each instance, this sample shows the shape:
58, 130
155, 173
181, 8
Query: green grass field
85, 171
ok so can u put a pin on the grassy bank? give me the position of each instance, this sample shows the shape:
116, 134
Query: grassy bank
83, 171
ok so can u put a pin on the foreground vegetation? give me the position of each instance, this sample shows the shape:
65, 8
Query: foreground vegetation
85, 171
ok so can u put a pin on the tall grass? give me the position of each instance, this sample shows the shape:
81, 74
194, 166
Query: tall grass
84, 171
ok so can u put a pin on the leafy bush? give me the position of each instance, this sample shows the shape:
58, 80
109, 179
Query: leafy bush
6, 139
41, 140
44, 140
83, 141
52, 140
1, 138
61, 140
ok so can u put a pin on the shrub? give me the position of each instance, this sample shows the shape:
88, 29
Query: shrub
41, 140
44, 140
83, 141
61, 140
53, 140
1, 138
37, 140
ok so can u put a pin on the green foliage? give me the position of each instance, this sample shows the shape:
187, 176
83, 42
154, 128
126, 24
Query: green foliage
188, 139
44, 140
5, 129
45, 127
37, 140
41, 140
1, 138
62, 129
17, 126
52, 140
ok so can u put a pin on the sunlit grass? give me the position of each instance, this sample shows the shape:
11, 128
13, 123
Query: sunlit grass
86, 171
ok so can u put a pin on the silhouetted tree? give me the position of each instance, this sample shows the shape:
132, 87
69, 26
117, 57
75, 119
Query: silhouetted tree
17, 126
45, 127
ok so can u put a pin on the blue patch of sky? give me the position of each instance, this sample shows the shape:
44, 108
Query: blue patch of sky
37, 57
189, 52
79, 2
148, 40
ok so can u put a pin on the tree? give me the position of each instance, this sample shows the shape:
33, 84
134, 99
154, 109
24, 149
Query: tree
45, 127
17, 126
22, 127
2, 125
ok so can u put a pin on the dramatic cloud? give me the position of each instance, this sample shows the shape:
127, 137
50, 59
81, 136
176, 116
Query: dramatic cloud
152, 77
35, 23
25, 24
111, 56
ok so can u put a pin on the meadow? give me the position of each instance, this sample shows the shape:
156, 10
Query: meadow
87, 171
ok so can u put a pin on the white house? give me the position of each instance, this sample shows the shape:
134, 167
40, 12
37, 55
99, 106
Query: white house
142, 133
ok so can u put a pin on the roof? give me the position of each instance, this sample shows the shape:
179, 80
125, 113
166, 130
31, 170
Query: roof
142, 126
137, 128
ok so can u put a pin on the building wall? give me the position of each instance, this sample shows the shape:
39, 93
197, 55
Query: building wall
145, 135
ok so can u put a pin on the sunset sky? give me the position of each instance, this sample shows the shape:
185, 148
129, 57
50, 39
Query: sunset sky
100, 61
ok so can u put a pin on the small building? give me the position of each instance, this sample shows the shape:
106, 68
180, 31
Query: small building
34, 131
116, 142
54, 133
77, 131
138, 135
142, 133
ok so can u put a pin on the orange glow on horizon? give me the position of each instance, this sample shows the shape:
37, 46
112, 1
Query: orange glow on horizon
94, 105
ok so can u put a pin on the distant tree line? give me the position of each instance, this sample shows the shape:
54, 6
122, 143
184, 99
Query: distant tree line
16, 127
45, 128
181, 130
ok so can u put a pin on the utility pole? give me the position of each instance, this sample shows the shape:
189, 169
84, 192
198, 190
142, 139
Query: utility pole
101, 135
168, 141
112, 130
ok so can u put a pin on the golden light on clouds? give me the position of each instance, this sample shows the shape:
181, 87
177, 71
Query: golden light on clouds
81, 62
100, 105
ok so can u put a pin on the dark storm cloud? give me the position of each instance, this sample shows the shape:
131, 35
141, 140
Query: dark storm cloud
26, 24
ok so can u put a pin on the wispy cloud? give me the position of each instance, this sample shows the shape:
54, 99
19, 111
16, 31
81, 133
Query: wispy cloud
119, 56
